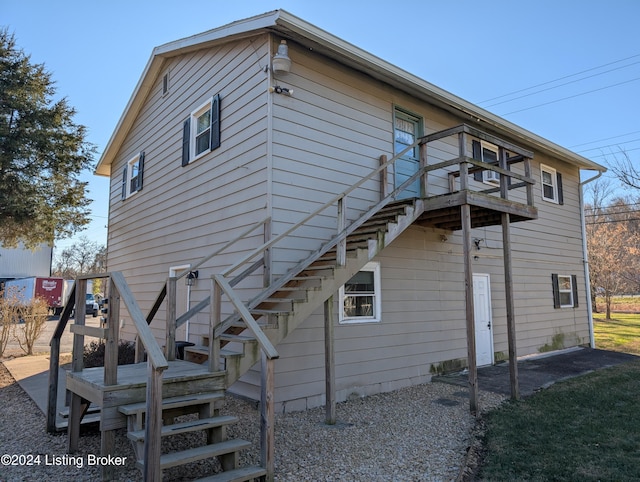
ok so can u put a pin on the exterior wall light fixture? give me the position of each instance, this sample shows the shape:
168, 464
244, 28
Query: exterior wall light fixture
281, 63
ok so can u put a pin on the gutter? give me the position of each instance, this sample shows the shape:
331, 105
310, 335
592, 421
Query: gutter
585, 257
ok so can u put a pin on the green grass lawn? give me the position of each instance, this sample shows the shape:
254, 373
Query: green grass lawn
621, 333
586, 428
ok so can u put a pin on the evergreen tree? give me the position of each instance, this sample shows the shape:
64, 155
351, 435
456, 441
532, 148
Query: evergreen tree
42, 153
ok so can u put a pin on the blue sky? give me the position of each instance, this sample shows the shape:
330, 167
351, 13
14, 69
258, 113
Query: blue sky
583, 56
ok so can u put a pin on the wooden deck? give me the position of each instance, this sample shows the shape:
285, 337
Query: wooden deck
486, 210
180, 378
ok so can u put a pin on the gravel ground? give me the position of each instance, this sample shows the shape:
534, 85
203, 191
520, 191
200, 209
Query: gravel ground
419, 433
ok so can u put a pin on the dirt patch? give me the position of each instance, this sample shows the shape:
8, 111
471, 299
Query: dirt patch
475, 454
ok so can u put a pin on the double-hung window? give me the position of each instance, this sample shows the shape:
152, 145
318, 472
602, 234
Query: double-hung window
201, 131
565, 291
486, 152
551, 182
360, 296
132, 176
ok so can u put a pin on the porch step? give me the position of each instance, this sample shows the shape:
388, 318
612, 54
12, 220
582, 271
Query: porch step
204, 351
171, 403
236, 475
186, 427
199, 453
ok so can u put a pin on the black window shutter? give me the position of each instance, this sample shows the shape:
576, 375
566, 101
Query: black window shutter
574, 287
477, 155
186, 139
560, 193
124, 183
556, 291
215, 122
140, 170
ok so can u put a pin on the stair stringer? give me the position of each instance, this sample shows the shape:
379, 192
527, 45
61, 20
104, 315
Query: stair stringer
329, 286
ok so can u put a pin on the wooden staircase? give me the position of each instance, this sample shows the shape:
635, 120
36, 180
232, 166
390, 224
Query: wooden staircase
279, 312
253, 329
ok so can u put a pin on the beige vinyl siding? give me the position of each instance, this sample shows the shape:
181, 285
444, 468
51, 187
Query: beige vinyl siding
326, 136
184, 213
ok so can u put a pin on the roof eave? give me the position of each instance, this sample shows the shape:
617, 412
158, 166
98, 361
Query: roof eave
307, 34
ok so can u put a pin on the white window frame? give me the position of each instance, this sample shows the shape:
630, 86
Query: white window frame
195, 115
373, 266
490, 177
562, 291
134, 163
553, 184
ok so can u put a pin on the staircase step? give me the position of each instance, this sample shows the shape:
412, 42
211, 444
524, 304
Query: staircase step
199, 453
204, 350
258, 311
175, 402
284, 300
237, 338
185, 427
236, 475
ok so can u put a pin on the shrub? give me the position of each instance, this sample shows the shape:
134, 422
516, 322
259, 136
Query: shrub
93, 354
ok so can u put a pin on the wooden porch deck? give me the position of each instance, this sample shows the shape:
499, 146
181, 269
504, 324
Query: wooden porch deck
181, 378
444, 211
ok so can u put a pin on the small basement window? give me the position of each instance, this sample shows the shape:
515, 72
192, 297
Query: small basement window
360, 296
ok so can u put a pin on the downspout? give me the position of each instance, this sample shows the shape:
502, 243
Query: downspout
585, 257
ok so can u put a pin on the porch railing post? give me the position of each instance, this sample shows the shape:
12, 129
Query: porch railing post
341, 248
216, 319
267, 417
170, 342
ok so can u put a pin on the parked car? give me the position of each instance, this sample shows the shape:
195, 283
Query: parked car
91, 306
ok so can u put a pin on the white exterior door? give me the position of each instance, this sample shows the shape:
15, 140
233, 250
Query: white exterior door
484, 323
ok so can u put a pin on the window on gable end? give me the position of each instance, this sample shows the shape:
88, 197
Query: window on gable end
132, 175
201, 131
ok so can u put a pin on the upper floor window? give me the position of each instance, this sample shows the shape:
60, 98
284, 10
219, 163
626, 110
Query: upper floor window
360, 296
132, 176
486, 152
549, 178
201, 131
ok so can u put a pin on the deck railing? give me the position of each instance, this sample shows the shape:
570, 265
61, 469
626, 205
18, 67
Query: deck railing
119, 292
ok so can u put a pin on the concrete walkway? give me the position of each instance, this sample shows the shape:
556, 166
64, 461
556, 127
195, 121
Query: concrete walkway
32, 374
540, 371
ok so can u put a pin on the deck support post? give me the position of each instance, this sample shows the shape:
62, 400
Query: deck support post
329, 363
469, 307
511, 322
267, 417
111, 341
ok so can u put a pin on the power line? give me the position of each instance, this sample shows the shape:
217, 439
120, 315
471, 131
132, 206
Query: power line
571, 96
626, 150
558, 79
605, 139
608, 145
560, 85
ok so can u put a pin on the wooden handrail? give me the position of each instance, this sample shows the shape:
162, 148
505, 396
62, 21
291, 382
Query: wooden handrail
263, 341
154, 353
322, 208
